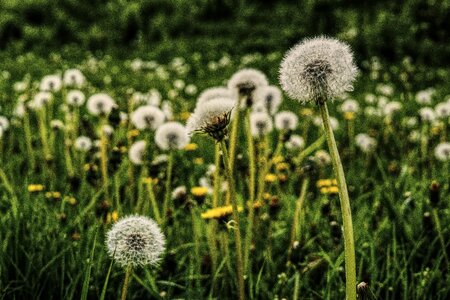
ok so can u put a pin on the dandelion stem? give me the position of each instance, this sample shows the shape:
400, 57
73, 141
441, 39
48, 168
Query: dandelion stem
437, 223
126, 282
216, 193
27, 132
349, 247
237, 230
104, 158
296, 286
298, 209
151, 195
251, 209
168, 183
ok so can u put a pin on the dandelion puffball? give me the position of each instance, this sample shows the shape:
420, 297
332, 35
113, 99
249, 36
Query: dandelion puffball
286, 120
214, 93
135, 241
171, 136
295, 142
147, 117
318, 69
260, 124
212, 118
100, 104
50, 83
83, 143
137, 152
75, 98
269, 97
442, 152
74, 77
4, 123
245, 81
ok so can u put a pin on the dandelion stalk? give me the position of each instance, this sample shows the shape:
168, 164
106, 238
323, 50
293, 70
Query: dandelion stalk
43, 132
298, 209
153, 202
126, 282
216, 192
27, 132
234, 135
104, 157
441, 237
168, 183
237, 230
349, 247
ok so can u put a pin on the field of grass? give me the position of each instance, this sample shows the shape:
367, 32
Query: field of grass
60, 195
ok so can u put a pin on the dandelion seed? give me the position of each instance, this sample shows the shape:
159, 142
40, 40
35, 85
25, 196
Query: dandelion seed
137, 152
286, 120
171, 136
147, 117
135, 241
318, 69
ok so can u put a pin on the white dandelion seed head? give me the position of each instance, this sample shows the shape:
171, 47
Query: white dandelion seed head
107, 130
425, 97
19, 110
414, 136
135, 241
179, 192
366, 143
370, 98
443, 110
100, 104
350, 105
295, 142
260, 124
171, 136
269, 97
245, 81
83, 143
40, 99
191, 89
4, 123
123, 116
316, 68
74, 77
160, 159
56, 124
322, 157
166, 108
137, 152
75, 98
214, 93
154, 97
147, 117
286, 120
385, 89
442, 152
211, 118
50, 83
427, 114
371, 111
391, 107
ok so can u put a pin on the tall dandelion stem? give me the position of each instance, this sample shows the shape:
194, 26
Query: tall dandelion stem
237, 230
295, 233
168, 183
27, 132
349, 246
126, 282
104, 158
216, 193
234, 132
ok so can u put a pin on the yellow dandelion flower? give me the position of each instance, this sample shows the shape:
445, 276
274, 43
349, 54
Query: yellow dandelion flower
435, 130
72, 201
267, 196
270, 178
114, 216
324, 190
333, 190
349, 115
219, 212
198, 161
56, 195
199, 191
133, 133
278, 159
333, 181
191, 147
282, 166
306, 112
149, 180
48, 195
123, 149
325, 182
35, 188
185, 115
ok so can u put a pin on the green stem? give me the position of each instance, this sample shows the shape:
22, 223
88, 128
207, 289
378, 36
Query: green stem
296, 286
27, 132
126, 282
104, 157
298, 209
441, 237
251, 209
216, 193
349, 247
237, 230
310, 149
151, 195
166, 205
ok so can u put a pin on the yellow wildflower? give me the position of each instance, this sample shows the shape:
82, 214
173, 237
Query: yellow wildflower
198, 161
333, 190
270, 178
282, 166
278, 159
349, 115
199, 191
115, 216
133, 133
219, 212
306, 112
149, 180
191, 147
185, 115
35, 188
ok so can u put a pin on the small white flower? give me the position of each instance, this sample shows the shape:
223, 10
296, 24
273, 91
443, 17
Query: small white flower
260, 124
20, 86
50, 83
74, 77
137, 152
385, 89
286, 120
318, 68
171, 136
135, 241
83, 143
40, 99
147, 117
370, 99
245, 81
179, 84
372, 111
442, 152
75, 98
100, 104
179, 192
295, 142
350, 106
269, 97
427, 114
191, 90
20, 110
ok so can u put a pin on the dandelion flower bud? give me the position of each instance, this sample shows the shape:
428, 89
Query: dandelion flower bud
75, 98
50, 83
83, 143
318, 69
147, 117
171, 136
212, 118
100, 104
74, 77
135, 241
245, 81
260, 124
137, 152
286, 120
269, 97
442, 152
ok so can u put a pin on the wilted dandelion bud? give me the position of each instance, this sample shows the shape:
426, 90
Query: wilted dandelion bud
260, 124
100, 104
171, 136
50, 83
443, 110
137, 152
286, 120
75, 98
214, 93
268, 97
135, 241
295, 142
179, 194
74, 77
427, 114
350, 106
245, 81
442, 152
211, 118
434, 193
147, 117
318, 69
83, 143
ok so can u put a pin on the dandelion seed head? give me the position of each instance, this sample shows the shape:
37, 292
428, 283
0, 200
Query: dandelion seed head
137, 151
100, 104
75, 98
427, 114
4, 123
171, 136
286, 120
83, 143
318, 68
295, 142
74, 77
50, 83
40, 99
350, 105
260, 124
391, 107
366, 143
425, 97
135, 241
442, 152
269, 97
245, 81
443, 110
147, 117
214, 93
